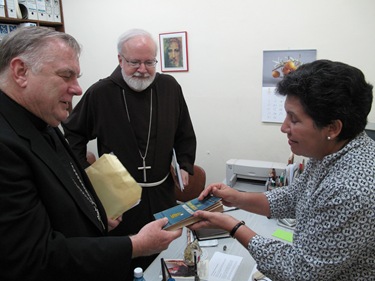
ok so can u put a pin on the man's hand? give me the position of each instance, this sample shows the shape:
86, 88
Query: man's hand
112, 224
185, 177
152, 239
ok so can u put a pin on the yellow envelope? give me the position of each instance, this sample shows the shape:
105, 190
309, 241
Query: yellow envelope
115, 187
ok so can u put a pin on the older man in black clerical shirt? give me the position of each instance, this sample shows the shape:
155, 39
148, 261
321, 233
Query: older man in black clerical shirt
140, 116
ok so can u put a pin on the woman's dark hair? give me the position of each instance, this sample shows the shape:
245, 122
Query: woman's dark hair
331, 91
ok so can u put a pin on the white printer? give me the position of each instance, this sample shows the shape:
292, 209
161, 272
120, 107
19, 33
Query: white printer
254, 170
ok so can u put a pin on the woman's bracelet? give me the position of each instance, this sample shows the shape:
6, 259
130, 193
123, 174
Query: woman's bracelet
236, 227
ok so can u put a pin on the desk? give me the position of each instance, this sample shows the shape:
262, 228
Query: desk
259, 224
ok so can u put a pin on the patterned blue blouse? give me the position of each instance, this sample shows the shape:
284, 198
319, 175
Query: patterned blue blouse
333, 201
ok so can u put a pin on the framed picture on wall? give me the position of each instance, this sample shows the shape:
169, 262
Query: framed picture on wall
277, 64
174, 51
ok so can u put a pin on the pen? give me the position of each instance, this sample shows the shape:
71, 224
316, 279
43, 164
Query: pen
188, 235
196, 277
229, 210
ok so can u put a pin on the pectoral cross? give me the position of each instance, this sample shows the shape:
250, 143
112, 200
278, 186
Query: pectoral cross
144, 168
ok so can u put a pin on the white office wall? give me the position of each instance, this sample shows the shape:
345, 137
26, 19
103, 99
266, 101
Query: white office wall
226, 40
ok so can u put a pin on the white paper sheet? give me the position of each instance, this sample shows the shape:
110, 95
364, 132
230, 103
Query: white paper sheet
223, 267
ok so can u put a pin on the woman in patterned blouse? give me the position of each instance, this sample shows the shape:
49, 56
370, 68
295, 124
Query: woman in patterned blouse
333, 200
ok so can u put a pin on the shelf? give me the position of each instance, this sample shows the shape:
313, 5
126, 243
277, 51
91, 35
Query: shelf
59, 26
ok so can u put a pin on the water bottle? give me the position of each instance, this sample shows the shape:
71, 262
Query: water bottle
138, 274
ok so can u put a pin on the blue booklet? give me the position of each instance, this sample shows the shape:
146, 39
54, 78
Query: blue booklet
182, 215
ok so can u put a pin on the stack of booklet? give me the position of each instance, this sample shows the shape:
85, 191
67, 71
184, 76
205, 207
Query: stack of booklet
182, 215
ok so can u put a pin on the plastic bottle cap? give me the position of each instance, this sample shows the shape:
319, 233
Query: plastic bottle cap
138, 272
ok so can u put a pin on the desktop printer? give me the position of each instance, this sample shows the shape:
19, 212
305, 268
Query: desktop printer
254, 170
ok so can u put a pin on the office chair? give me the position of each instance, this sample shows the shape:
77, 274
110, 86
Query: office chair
197, 183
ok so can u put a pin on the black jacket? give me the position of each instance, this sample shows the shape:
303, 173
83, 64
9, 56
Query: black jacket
47, 230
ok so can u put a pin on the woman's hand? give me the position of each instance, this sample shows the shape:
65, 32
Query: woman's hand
213, 220
229, 195
219, 220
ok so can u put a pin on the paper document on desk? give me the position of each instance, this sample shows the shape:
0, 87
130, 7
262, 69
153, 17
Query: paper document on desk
223, 267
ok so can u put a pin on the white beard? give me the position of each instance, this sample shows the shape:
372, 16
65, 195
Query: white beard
138, 82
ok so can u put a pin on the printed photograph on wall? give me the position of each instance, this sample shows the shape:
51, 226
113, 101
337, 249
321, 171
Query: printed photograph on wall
173, 51
276, 65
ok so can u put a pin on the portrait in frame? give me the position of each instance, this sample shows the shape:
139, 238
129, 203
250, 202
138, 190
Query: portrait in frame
174, 51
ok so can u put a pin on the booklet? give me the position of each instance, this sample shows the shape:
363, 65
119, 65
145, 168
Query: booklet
182, 215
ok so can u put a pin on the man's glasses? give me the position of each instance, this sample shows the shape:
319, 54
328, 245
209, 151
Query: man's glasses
137, 63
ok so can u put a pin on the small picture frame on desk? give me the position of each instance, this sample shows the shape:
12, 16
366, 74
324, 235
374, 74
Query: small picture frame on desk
166, 275
179, 270
174, 51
